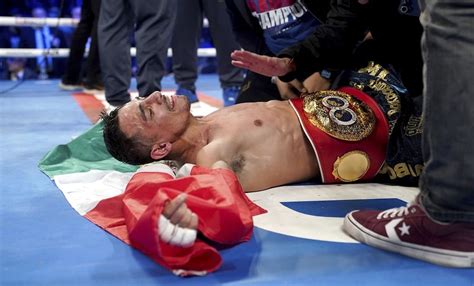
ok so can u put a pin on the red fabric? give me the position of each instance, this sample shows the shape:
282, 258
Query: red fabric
215, 195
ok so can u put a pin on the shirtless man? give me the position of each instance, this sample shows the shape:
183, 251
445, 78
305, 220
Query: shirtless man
261, 142
266, 144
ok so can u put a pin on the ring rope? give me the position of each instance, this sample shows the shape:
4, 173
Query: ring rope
52, 22
37, 22
62, 53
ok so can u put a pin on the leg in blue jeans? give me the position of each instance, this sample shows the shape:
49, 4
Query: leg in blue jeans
447, 183
439, 225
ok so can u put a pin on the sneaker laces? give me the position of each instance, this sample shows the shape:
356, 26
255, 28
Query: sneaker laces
395, 212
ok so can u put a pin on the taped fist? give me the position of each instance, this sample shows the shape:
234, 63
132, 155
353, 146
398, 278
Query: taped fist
178, 224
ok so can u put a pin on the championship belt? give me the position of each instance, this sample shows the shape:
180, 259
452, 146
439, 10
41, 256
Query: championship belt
348, 132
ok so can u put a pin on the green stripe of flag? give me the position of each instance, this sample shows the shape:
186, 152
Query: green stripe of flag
84, 153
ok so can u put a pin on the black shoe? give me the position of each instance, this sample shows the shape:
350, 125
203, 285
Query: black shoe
70, 86
93, 88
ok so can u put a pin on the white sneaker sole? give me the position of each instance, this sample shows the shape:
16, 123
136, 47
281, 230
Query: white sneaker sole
434, 255
70, 87
93, 91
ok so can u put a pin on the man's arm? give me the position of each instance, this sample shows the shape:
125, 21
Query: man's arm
330, 46
154, 194
178, 224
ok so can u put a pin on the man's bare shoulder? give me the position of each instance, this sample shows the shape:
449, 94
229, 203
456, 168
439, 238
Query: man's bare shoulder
214, 151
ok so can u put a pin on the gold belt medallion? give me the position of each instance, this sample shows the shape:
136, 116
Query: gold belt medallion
351, 166
339, 115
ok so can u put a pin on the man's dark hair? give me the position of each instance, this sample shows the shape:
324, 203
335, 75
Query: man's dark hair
128, 150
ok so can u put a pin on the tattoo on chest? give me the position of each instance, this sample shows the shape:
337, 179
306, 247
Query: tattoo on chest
237, 164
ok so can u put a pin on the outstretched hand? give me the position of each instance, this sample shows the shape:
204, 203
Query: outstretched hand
264, 65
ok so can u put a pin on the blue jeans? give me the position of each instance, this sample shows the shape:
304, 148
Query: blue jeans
447, 183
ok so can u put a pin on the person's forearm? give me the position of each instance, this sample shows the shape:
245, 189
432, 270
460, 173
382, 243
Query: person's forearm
330, 46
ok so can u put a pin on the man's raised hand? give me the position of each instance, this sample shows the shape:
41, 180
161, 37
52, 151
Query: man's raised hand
265, 65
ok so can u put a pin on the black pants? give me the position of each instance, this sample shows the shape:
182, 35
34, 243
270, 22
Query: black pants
154, 21
86, 28
186, 37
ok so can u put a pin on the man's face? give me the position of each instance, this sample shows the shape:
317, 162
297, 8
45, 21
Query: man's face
155, 119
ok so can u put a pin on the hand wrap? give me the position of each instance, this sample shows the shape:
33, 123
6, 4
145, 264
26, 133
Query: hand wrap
174, 234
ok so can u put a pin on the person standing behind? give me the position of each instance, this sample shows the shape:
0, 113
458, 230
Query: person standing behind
267, 28
154, 21
439, 225
16, 70
393, 25
45, 38
86, 28
185, 44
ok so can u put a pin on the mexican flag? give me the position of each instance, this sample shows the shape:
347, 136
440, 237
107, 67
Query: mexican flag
85, 172
127, 201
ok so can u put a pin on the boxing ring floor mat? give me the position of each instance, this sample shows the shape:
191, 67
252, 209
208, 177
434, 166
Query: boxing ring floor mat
43, 241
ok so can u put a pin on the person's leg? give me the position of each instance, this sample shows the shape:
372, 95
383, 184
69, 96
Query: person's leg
154, 27
93, 71
439, 226
115, 23
186, 35
447, 190
72, 75
221, 31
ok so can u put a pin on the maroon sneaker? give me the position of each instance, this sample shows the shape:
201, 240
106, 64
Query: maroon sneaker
410, 231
